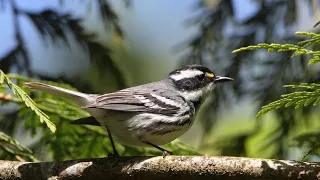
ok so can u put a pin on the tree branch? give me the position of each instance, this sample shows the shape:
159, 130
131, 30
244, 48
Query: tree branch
170, 167
21, 44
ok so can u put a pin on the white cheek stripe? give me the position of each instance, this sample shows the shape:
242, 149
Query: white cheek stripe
193, 95
197, 94
186, 74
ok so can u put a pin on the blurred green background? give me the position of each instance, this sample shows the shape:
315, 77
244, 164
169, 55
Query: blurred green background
101, 46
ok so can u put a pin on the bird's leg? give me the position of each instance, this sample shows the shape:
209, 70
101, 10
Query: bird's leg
115, 152
165, 152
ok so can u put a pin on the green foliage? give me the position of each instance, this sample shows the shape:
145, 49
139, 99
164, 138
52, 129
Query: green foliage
299, 99
13, 147
279, 47
27, 100
309, 141
309, 94
299, 49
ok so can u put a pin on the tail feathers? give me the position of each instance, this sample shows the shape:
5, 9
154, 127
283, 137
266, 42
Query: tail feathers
86, 121
78, 97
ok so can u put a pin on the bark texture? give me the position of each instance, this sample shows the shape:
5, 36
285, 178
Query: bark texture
169, 167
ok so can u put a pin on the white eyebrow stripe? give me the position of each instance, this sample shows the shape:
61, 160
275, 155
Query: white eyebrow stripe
186, 74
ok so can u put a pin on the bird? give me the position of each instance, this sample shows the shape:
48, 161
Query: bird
151, 114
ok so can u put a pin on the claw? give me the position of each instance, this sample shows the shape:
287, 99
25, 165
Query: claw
166, 153
115, 155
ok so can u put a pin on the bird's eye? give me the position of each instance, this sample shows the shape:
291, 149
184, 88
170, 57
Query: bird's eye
201, 77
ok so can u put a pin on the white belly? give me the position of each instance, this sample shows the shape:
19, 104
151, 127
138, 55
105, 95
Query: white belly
133, 130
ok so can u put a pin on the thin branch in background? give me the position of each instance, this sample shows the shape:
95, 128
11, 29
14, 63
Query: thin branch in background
9, 59
109, 17
22, 51
56, 26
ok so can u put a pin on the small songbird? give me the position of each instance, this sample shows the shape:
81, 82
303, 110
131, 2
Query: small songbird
147, 115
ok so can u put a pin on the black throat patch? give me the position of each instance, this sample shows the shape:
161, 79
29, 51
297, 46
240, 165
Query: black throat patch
197, 103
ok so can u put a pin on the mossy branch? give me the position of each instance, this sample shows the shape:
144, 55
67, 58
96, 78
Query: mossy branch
27, 100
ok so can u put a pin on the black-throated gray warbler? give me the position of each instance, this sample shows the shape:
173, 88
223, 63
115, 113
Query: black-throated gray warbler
147, 115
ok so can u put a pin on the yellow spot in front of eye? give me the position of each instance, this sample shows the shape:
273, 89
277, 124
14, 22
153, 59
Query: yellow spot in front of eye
209, 75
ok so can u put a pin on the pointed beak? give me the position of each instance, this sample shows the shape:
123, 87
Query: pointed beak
220, 79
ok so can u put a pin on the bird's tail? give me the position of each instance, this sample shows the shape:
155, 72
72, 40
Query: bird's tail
77, 97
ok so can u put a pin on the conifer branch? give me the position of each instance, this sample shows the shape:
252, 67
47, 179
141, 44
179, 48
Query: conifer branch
298, 50
27, 100
278, 47
299, 99
12, 146
302, 98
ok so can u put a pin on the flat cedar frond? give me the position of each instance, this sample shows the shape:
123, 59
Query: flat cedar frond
279, 47
27, 100
15, 147
312, 86
311, 34
315, 58
299, 99
315, 38
297, 49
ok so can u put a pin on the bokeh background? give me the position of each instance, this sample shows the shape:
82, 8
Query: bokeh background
101, 46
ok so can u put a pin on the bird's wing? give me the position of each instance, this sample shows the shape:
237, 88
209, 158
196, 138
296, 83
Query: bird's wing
137, 101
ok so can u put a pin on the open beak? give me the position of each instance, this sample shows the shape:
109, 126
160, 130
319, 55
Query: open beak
220, 79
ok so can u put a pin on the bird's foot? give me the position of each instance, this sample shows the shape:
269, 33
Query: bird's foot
114, 155
166, 153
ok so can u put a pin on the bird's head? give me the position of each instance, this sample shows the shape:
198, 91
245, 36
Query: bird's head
195, 81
